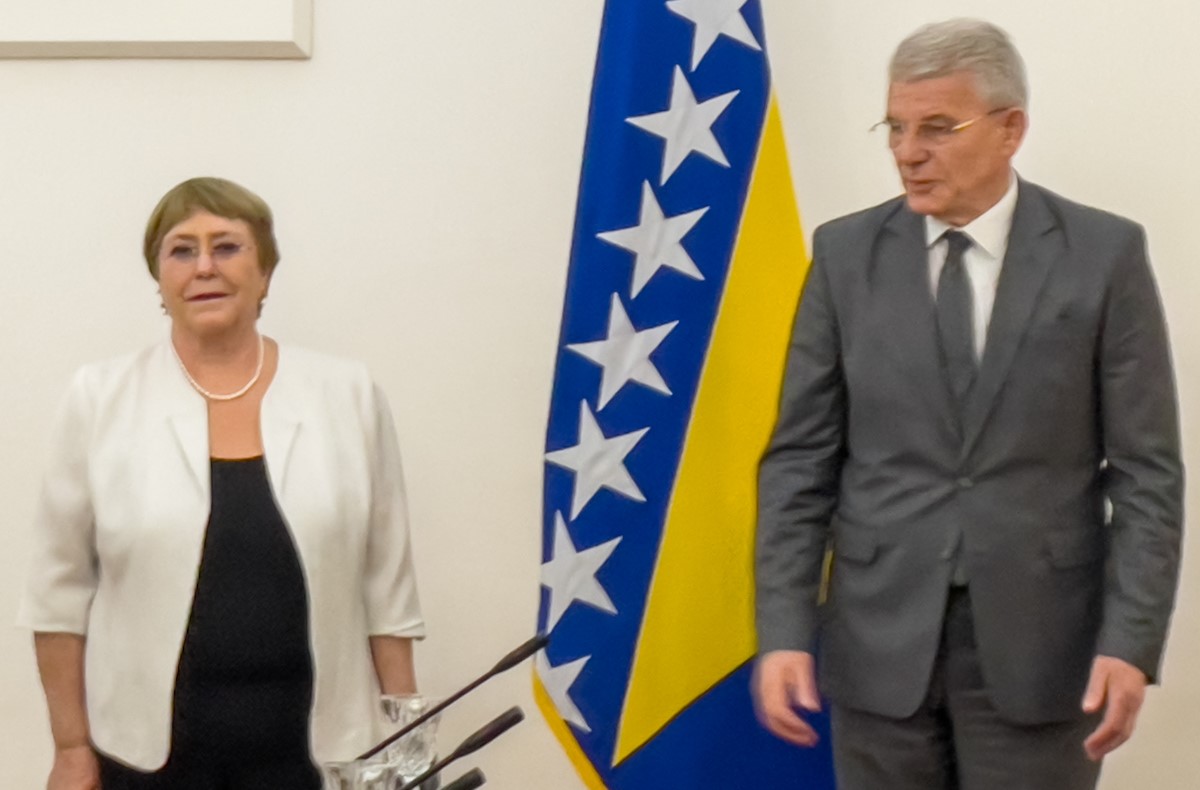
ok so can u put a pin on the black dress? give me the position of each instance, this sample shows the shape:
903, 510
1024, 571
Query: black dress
243, 691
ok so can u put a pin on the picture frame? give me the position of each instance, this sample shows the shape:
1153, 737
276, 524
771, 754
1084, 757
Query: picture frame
258, 29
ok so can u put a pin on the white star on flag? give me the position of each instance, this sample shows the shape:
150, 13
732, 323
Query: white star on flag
625, 354
714, 18
558, 681
570, 575
656, 241
686, 125
598, 461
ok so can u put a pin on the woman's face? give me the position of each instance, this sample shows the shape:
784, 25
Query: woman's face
209, 276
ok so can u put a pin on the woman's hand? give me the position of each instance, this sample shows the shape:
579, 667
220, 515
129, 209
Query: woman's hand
75, 768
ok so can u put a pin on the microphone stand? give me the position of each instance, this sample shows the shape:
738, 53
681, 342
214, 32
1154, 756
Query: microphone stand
509, 661
469, 781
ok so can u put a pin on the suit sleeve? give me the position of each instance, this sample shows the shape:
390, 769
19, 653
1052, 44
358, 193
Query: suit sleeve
390, 585
1144, 472
64, 571
799, 473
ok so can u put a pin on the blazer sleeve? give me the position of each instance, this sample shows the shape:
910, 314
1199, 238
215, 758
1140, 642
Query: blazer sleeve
63, 573
1144, 471
390, 585
799, 473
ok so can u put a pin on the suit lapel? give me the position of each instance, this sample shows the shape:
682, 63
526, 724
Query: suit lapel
904, 275
280, 424
191, 435
1027, 262
187, 415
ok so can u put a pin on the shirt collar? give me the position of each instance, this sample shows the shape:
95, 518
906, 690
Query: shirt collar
989, 231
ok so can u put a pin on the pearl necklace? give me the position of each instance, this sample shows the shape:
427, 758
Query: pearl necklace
233, 395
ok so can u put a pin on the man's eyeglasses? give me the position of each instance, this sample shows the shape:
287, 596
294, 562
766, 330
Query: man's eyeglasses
929, 133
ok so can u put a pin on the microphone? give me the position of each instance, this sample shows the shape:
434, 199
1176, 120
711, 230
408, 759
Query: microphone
474, 742
468, 781
514, 657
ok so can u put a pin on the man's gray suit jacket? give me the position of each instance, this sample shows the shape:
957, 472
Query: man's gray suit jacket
1061, 473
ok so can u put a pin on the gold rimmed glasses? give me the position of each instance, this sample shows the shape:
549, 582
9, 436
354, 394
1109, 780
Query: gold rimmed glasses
930, 133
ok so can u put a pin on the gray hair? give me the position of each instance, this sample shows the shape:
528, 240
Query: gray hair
964, 45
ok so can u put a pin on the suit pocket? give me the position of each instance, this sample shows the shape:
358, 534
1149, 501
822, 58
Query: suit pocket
1073, 549
1069, 327
855, 545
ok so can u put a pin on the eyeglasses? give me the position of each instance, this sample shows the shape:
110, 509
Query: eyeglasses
188, 253
930, 133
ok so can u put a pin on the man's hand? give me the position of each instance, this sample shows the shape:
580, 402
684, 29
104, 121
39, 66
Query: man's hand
75, 768
1119, 688
784, 680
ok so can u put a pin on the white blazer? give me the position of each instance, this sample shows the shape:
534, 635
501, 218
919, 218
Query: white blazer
120, 529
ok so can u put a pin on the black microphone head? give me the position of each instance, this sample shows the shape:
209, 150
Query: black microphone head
468, 781
521, 653
490, 731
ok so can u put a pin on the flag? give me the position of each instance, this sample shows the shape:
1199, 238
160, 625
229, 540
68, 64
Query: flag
686, 266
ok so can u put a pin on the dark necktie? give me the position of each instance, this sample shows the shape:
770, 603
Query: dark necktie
955, 318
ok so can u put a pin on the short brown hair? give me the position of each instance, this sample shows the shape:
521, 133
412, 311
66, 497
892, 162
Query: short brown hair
217, 196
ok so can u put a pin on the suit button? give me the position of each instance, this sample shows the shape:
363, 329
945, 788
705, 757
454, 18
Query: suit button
964, 482
947, 553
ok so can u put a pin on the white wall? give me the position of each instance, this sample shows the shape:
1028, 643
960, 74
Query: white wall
423, 169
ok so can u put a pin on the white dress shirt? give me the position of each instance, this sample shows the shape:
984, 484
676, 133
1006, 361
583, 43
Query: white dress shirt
982, 260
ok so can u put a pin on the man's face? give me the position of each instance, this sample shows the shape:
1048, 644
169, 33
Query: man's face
954, 175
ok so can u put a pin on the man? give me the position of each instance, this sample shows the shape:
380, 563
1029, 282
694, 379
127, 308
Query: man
979, 418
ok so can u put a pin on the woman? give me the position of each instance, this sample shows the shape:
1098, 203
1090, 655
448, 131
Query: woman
221, 545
